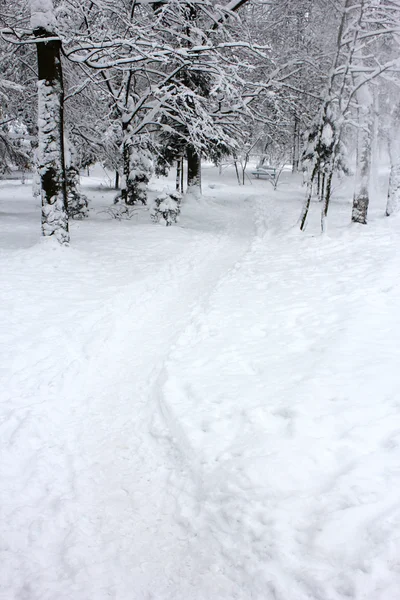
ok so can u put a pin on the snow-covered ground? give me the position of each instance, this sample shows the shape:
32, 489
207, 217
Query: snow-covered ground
209, 411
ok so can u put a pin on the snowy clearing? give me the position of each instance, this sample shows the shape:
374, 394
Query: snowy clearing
204, 411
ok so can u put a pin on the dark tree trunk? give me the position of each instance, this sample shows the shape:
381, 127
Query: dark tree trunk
326, 196
51, 161
193, 171
127, 193
237, 172
296, 146
116, 183
178, 174
182, 174
136, 174
306, 205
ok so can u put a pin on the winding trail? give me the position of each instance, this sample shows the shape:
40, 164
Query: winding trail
204, 412
89, 495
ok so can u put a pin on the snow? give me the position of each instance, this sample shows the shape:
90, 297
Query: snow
42, 14
209, 410
327, 135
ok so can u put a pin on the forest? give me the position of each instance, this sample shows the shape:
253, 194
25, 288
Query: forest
199, 284
144, 86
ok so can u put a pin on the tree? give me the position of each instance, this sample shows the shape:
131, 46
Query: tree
51, 162
353, 68
393, 199
364, 155
165, 68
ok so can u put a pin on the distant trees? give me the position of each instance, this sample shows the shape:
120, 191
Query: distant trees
348, 101
139, 84
164, 69
393, 138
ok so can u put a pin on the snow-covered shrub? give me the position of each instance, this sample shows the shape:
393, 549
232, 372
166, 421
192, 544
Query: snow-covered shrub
167, 208
120, 212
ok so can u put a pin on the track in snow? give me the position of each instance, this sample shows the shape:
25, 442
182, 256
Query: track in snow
89, 507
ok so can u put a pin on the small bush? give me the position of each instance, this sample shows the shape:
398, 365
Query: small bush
120, 212
167, 208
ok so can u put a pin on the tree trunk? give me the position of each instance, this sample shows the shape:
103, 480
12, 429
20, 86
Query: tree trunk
193, 171
137, 170
237, 172
296, 146
116, 181
393, 199
327, 193
178, 174
307, 202
361, 194
51, 161
182, 173
127, 193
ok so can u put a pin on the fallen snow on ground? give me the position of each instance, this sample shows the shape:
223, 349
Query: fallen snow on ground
206, 411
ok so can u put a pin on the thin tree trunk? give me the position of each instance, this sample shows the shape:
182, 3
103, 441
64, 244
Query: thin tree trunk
193, 172
327, 192
244, 169
127, 193
361, 194
237, 172
51, 160
306, 205
182, 174
296, 145
393, 199
116, 183
178, 174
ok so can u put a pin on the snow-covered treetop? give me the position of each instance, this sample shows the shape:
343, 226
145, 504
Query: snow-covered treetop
42, 14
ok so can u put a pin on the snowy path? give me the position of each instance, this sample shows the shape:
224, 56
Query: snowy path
286, 396
205, 412
89, 512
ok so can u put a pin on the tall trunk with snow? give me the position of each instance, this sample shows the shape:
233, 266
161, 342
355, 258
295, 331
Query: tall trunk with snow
307, 201
138, 168
363, 176
193, 171
51, 163
126, 194
179, 175
326, 193
393, 199
296, 145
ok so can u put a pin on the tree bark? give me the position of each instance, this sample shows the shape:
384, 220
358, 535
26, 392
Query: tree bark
393, 199
51, 160
178, 174
193, 171
326, 197
361, 194
127, 192
307, 202
296, 145
137, 170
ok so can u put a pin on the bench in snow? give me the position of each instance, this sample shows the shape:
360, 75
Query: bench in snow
269, 172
